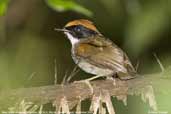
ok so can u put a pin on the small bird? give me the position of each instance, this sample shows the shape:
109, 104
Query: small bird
96, 54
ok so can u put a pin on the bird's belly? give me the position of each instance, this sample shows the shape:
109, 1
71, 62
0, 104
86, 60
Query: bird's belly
92, 69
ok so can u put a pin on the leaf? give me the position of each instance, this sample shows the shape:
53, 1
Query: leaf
65, 5
3, 6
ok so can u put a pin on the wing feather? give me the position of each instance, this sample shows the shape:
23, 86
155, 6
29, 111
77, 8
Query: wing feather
104, 54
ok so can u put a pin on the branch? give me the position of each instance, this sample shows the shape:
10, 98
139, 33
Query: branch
74, 92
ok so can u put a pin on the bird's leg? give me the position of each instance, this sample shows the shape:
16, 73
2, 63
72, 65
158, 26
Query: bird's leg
94, 77
87, 81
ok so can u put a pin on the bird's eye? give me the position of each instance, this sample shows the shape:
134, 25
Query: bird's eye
77, 29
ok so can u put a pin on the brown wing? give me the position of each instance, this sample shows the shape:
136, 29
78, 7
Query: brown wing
103, 53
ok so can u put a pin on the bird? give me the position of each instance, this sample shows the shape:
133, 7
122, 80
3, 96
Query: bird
95, 54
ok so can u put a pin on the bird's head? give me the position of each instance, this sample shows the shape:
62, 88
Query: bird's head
79, 29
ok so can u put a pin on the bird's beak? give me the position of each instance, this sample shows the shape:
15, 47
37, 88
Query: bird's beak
61, 30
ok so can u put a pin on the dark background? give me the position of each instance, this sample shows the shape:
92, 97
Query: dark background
29, 45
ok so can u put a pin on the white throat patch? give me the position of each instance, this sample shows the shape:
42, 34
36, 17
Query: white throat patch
71, 38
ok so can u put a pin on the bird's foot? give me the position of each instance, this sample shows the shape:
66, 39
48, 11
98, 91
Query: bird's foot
87, 82
113, 79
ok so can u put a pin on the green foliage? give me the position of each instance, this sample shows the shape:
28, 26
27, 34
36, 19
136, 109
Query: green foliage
146, 27
3, 6
64, 5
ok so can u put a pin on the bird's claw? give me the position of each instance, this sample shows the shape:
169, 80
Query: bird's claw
87, 82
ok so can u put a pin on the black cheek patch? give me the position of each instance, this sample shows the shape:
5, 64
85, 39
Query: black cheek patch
80, 31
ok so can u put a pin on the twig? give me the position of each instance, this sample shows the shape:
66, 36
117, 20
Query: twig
55, 72
159, 62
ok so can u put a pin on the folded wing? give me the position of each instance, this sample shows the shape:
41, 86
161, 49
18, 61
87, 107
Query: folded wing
104, 54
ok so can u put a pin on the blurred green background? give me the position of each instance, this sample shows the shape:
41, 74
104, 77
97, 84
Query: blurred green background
29, 45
